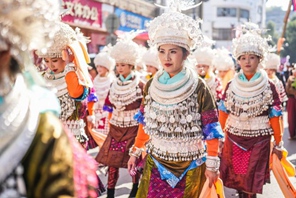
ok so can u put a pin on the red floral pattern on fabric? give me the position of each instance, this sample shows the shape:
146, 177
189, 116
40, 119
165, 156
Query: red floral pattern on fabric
240, 160
118, 146
160, 188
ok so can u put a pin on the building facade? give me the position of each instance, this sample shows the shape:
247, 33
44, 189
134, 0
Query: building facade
221, 17
90, 16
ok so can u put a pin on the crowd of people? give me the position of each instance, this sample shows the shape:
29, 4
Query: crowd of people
176, 116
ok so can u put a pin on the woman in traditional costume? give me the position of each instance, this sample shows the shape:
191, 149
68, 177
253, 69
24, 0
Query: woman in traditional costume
224, 66
67, 62
204, 57
178, 116
271, 66
38, 158
122, 102
249, 114
104, 64
150, 58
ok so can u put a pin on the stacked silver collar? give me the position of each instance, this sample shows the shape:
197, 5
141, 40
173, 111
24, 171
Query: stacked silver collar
249, 99
173, 120
125, 93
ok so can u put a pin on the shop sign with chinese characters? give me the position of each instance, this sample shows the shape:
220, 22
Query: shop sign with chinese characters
83, 12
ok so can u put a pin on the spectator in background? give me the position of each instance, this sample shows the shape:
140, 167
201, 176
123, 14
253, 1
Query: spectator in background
291, 106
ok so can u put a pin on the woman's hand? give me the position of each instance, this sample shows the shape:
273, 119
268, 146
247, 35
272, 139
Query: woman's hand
212, 176
131, 165
278, 153
91, 121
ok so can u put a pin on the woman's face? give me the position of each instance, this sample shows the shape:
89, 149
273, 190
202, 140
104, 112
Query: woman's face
56, 65
102, 71
222, 74
249, 63
124, 69
202, 69
270, 72
171, 58
150, 69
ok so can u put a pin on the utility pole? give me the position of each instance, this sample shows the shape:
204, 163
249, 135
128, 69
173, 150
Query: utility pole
282, 38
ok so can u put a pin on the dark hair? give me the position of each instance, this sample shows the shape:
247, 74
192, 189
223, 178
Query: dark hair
14, 66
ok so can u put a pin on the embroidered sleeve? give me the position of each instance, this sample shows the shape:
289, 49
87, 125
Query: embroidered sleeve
275, 109
211, 127
139, 116
92, 97
282, 92
209, 115
221, 104
107, 105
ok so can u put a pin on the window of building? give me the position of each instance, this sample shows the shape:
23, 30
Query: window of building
244, 14
225, 34
226, 12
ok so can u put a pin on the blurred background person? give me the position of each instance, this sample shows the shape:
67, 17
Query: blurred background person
204, 57
150, 59
38, 158
224, 66
104, 64
271, 66
68, 73
291, 106
122, 102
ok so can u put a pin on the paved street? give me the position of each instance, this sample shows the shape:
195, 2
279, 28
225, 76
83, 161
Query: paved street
270, 190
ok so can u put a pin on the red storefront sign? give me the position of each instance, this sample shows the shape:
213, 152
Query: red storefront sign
87, 13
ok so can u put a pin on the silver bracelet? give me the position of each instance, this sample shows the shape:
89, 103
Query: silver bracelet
91, 118
213, 163
279, 147
135, 151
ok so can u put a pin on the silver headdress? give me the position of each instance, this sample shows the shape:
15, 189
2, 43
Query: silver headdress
126, 50
222, 60
207, 42
250, 41
205, 54
173, 27
27, 25
64, 37
272, 61
151, 58
104, 59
